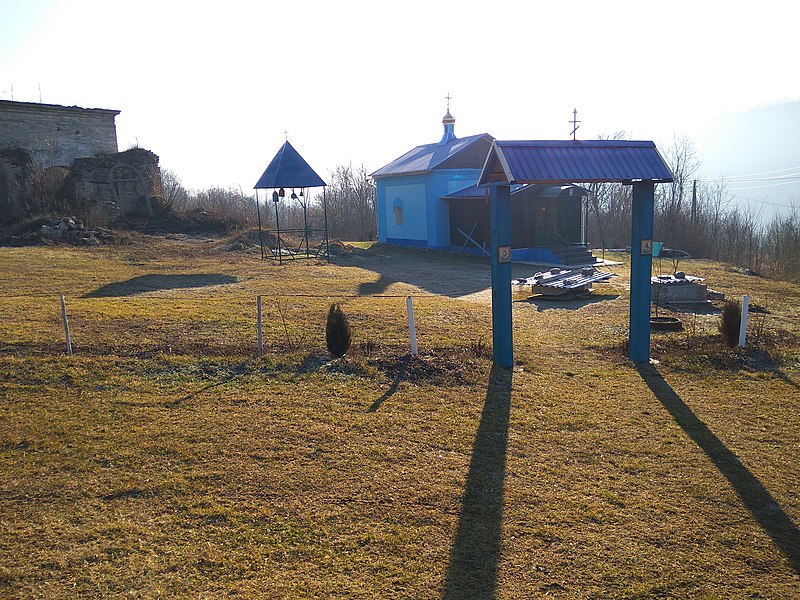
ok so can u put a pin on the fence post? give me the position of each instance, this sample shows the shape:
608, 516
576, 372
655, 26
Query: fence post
260, 335
411, 328
66, 325
743, 325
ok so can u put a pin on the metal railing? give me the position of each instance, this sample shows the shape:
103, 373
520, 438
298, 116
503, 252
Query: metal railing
602, 241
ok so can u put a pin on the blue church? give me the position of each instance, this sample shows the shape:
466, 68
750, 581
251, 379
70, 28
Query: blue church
429, 198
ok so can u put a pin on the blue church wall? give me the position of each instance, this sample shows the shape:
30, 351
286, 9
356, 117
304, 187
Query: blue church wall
411, 211
442, 183
404, 210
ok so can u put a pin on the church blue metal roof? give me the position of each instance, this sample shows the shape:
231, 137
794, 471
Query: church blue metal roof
558, 161
425, 158
288, 170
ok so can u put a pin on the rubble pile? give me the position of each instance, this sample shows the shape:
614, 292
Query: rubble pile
64, 230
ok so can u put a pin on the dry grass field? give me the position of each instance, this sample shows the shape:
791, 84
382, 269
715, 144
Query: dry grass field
166, 458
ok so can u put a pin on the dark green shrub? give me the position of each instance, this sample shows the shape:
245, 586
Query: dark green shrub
337, 331
729, 322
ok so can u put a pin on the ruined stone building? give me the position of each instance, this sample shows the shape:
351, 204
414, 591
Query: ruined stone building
56, 135
53, 156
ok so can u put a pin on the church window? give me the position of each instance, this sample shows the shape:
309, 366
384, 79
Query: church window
397, 205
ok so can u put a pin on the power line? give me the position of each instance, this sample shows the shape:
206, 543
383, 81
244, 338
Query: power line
755, 187
793, 176
789, 178
767, 172
749, 199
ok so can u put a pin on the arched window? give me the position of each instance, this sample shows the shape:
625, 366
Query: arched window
398, 211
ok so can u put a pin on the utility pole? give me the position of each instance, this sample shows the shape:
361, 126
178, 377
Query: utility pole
694, 201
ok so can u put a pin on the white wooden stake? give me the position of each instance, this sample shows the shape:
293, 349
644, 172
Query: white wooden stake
743, 325
411, 328
260, 336
66, 325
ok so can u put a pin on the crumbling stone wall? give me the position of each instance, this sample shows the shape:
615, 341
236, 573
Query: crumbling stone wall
55, 158
101, 188
56, 135
129, 179
16, 174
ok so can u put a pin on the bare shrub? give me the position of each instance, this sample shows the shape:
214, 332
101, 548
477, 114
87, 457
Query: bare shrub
48, 191
351, 204
480, 349
781, 246
367, 348
174, 196
218, 207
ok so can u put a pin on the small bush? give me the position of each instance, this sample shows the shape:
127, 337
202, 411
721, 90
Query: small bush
729, 322
367, 348
480, 349
337, 331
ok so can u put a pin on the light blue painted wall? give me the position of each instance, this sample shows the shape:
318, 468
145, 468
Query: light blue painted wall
426, 219
440, 184
410, 198
380, 209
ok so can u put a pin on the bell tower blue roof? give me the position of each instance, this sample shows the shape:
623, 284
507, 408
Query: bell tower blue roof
288, 170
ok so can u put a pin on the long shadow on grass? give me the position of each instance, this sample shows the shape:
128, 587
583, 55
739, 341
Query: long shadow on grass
401, 373
437, 272
472, 572
370, 288
769, 514
237, 371
543, 303
155, 282
786, 379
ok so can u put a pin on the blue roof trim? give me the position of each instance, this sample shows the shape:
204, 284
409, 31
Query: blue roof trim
424, 159
288, 170
596, 161
471, 191
538, 190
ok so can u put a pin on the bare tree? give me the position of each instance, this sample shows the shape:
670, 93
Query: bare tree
609, 207
176, 197
351, 204
682, 159
712, 225
781, 247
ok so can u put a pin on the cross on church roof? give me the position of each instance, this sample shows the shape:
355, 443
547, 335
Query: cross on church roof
448, 98
574, 122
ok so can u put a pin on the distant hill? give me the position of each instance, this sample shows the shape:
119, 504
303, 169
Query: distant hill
758, 153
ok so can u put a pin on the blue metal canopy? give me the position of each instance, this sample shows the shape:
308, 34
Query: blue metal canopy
559, 161
289, 170
564, 162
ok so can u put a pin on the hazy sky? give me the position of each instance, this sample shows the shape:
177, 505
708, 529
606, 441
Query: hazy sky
212, 88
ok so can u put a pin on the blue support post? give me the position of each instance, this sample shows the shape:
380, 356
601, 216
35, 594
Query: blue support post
500, 214
641, 269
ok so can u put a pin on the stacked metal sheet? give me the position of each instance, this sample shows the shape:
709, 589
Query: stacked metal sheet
558, 282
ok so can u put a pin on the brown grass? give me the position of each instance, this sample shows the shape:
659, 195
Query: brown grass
165, 458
